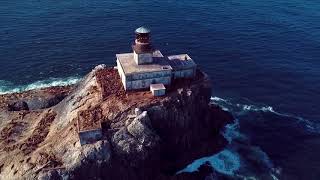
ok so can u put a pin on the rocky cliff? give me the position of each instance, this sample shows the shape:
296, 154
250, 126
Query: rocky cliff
143, 137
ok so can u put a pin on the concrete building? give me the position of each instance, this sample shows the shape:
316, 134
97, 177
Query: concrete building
183, 66
89, 127
146, 66
157, 89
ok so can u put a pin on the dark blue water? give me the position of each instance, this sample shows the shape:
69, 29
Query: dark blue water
263, 58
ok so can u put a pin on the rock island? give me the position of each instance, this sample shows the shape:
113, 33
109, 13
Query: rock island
146, 118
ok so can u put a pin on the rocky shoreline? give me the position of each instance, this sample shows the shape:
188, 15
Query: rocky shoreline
39, 137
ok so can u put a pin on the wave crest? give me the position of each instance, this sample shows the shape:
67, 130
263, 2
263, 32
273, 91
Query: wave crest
241, 109
7, 87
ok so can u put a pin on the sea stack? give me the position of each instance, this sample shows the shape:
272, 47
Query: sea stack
111, 126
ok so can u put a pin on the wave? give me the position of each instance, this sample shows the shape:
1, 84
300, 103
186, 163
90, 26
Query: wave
241, 109
7, 87
226, 162
241, 158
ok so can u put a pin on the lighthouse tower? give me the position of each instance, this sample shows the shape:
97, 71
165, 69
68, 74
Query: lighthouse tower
142, 48
147, 68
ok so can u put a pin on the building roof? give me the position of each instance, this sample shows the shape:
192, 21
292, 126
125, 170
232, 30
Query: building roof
157, 87
181, 61
129, 66
89, 120
142, 30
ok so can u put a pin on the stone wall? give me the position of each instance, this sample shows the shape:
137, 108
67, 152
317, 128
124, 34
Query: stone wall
90, 136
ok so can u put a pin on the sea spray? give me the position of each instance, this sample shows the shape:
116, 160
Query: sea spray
238, 109
234, 161
8, 87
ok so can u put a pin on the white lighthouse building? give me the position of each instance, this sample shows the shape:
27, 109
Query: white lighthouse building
146, 67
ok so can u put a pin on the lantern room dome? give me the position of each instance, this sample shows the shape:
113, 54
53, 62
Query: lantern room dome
142, 30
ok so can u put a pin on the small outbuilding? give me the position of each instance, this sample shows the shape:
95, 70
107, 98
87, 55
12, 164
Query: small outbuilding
183, 66
158, 89
89, 126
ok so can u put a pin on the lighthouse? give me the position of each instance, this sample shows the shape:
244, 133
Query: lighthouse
142, 47
147, 68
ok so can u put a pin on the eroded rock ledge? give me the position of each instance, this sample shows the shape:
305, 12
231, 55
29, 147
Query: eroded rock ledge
168, 133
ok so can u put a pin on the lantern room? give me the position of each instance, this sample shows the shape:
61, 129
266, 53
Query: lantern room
142, 35
142, 47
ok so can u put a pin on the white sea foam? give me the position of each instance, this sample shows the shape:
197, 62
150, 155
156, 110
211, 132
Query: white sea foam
231, 131
225, 162
243, 107
8, 87
217, 99
234, 161
240, 109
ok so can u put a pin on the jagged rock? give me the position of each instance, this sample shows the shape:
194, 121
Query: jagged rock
99, 151
204, 172
45, 102
49, 175
134, 140
124, 142
155, 142
99, 67
18, 106
140, 129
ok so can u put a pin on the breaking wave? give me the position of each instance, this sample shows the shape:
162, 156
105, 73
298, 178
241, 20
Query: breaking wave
239, 140
240, 158
225, 162
7, 87
233, 161
241, 109
244, 107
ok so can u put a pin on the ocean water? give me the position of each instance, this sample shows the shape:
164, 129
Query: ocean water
262, 56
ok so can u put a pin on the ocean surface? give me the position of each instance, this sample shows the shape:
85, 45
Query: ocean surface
263, 58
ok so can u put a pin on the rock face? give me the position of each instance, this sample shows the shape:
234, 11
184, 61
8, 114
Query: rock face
144, 137
18, 106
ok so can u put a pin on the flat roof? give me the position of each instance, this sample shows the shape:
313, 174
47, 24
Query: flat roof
157, 86
129, 66
181, 61
89, 120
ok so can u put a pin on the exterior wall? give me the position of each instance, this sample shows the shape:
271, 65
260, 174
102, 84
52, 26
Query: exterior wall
91, 136
149, 75
158, 92
136, 57
122, 75
143, 80
184, 73
145, 83
144, 58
